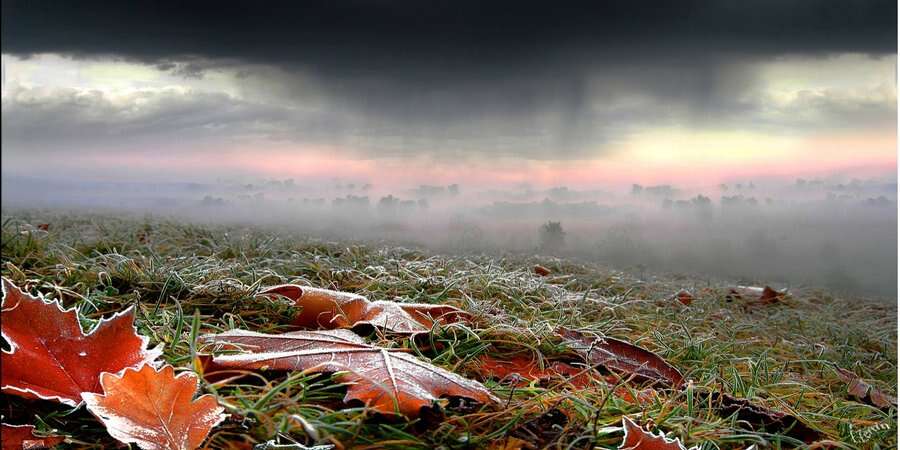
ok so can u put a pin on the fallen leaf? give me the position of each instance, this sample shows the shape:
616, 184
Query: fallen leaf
272, 444
756, 296
52, 358
740, 292
387, 380
541, 270
620, 356
770, 295
761, 417
684, 297
865, 392
527, 370
638, 439
153, 408
881, 400
323, 308
21, 437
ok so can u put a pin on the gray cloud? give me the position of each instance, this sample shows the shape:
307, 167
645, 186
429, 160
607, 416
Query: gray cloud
56, 118
844, 110
606, 109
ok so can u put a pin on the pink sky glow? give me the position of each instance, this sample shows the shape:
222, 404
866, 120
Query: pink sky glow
849, 155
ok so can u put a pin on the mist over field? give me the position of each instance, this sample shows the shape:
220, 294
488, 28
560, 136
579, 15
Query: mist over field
838, 234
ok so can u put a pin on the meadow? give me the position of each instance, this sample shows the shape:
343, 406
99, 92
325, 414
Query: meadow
188, 279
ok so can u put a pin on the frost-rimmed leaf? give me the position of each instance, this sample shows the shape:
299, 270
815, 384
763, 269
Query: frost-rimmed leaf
154, 408
638, 439
620, 356
324, 308
52, 358
756, 296
388, 380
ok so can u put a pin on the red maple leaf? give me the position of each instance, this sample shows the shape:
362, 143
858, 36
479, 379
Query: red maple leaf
638, 439
51, 357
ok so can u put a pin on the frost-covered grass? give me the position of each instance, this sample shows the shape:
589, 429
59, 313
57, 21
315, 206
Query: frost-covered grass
188, 280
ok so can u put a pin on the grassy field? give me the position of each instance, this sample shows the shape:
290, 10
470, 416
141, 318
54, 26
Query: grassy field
188, 280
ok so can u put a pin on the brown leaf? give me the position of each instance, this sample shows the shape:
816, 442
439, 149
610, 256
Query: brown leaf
387, 380
741, 292
756, 296
52, 358
865, 392
761, 417
770, 295
21, 437
44, 226
684, 297
638, 439
620, 356
881, 400
540, 270
527, 369
153, 409
323, 308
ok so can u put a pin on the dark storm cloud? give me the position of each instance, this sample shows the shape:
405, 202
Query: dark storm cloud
496, 76
451, 35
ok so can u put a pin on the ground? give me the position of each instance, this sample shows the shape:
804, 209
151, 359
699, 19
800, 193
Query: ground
190, 279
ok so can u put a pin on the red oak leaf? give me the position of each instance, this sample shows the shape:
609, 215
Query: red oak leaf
52, 358
388, 380
153, 408
21, 437
323, 308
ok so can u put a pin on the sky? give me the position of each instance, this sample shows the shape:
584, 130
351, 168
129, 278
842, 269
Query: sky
402, 93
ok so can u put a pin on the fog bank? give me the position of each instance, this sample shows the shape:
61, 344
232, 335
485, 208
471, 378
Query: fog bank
833, 233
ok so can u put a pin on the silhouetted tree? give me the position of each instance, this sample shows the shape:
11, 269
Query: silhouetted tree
553, 238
